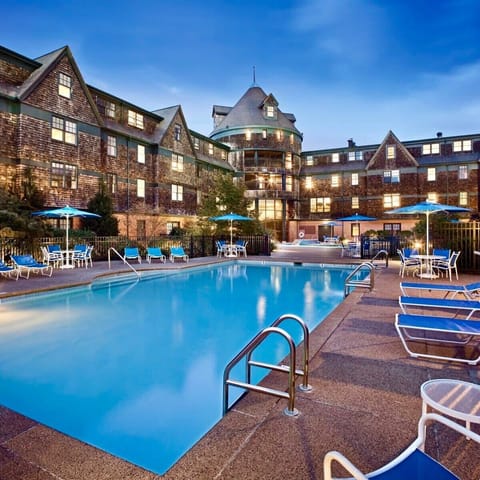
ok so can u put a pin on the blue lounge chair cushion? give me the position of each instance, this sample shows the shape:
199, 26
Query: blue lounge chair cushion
469, 305
438, 324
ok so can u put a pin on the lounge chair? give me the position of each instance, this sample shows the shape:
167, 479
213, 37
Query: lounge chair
437, 330
241, 246
155, 253
131, 253
412, 464
468, 306
27, 264
9, 272
470, 290
178, 252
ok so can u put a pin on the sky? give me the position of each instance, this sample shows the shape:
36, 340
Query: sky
345, 68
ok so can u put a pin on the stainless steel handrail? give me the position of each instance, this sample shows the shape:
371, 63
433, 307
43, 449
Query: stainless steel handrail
368, 282
379, 254
123, 260
306, 347
254, 343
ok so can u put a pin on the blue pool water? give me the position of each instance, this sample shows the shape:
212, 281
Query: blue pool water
136, 368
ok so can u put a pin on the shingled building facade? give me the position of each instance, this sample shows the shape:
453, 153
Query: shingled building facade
73, 136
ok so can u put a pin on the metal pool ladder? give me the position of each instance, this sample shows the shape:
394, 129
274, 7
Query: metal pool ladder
367, 282
247, 353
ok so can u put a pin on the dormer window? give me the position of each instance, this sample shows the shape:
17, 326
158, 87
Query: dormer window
135, 119
64, 85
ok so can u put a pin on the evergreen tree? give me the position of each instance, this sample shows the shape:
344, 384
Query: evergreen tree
102, 204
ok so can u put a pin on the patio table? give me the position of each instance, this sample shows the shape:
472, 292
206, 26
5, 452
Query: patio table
427, 260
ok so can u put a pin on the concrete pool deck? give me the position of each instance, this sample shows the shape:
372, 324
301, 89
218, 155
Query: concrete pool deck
365, 403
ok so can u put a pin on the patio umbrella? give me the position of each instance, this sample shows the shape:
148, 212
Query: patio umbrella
427, 207
331, 224
230, 217
357, 218
67, 213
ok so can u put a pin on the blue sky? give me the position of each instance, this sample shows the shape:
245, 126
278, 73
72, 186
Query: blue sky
345, 68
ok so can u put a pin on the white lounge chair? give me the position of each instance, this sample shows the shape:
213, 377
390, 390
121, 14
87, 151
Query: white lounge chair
414, 329
9, 272
412, 464
470, 290
467, 306
26, 264
178, 252
155, 253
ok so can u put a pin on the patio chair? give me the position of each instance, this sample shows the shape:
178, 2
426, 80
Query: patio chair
27, 264
241, 247
470, 306
220, 244
470, 290
8, 272
131, 253
81, 255
412, 464
425, 329
448, 265
155, 253
408, 264
178, 252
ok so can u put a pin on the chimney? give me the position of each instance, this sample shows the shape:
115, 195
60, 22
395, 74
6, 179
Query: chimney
351, 143
439, 134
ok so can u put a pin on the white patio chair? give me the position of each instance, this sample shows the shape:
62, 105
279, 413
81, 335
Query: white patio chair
408, 264
446, 266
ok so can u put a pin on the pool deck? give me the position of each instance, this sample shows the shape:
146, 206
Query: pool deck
365, 402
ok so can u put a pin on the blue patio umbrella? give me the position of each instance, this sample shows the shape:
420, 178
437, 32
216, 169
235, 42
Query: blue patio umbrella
427, 207
356, 218
230, 217
67, 213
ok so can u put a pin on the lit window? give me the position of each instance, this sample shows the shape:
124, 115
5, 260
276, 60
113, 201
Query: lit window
309, 160
64, 85
270, 209
462, 172
279, 135
462, 146
431, 174
177, 193
335, 157
320, 205
270, 111
431, 149
210, 148
308, 182
463, 199
432, 197
224, 154
354, 179
391, 176
264, 133
196, 143
288, 183
335, 181
248, 135
172, 226
111, 182
391, 200
140, 188
177, 162
291, 139
288, 160
391, 152
141, 153
63, 176
177, 131
64, 131
111, 146
135, 119
355, 203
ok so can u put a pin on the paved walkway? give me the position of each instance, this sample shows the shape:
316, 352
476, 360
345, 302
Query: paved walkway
365, 403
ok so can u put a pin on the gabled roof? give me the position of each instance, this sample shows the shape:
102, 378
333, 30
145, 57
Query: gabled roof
248, 111
403, 157
168, 114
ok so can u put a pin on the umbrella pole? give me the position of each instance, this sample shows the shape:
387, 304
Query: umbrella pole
428, 233
67, 263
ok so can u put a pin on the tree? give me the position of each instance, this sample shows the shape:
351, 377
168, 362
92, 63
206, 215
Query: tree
102, 204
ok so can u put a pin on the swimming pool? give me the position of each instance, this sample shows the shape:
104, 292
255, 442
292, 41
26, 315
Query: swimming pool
136, 368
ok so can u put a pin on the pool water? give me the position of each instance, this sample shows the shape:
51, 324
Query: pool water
136, 368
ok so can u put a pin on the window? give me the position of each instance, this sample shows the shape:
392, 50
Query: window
432, 197
431, 174
291, 139
279, 135
391, 200
355, 156
270, 111
462, 146
264, 133
177, 162
63, 176
288, 160
224, 155
288, 183
111, 146
248, 135
462, 172
355, 203
431, 149
210, 148
270, 209
392, 227
463, 199
171, 226
391, 152
140, 188
335, 181
391, 176
135, 119
64, 131
308, 182
177, 132
309, 160
111, 182
354, 179
196, 143
335, 157
177, 193
320, 205
110, 109
64, 85
141, 153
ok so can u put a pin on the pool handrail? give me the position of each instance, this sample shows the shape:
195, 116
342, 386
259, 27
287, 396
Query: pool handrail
367, 282
122, 258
